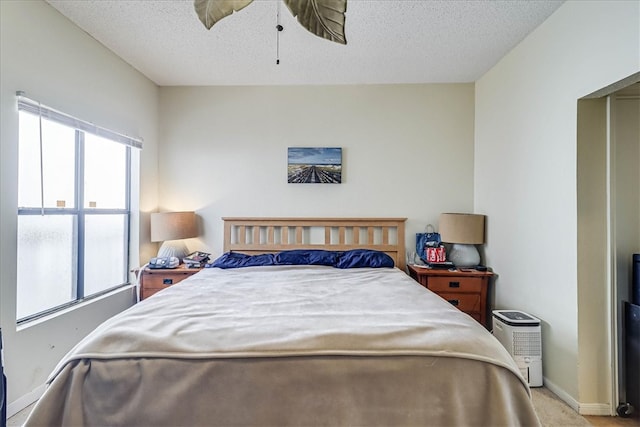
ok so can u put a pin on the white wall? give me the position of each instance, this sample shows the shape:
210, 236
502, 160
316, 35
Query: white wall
52, 60
525, 179
407, 152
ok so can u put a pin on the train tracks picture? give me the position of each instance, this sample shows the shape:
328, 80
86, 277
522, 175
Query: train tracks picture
309, 165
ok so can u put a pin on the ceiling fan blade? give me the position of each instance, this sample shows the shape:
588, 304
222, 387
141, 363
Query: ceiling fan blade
211, 11
324, 18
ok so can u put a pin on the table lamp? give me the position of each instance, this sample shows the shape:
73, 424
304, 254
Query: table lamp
464, 231
170, 228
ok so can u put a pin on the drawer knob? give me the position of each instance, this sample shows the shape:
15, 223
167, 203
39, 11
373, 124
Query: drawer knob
454, 302
167, 281
454, 284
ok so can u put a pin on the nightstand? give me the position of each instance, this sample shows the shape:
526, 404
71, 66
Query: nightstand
155, 280
468, 290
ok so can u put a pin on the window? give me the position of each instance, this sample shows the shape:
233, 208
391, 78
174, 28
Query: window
73, 210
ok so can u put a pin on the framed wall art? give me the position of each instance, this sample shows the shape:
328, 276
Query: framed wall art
319, 165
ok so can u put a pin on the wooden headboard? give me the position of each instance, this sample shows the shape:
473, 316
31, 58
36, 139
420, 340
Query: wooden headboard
264, 235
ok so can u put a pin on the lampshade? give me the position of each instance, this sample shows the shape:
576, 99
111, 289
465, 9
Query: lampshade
462, 228
170, 228
173, 226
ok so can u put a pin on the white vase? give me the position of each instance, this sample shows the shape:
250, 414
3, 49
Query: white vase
175, 248
464, 255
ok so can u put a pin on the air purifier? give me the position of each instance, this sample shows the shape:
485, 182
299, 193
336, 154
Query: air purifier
520, 334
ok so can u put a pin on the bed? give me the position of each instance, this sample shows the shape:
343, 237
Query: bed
288, 343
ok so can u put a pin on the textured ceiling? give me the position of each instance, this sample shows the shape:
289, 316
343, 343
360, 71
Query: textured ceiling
402, 41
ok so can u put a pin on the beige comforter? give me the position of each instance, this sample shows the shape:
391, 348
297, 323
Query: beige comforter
288, 346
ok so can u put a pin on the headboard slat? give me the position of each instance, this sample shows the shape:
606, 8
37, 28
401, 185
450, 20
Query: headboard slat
242, 234
341, 235
256, 234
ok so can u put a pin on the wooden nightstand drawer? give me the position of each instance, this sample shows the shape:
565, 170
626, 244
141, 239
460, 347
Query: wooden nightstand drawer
467, 290
464, 302
455, 284
161, 281
153, 281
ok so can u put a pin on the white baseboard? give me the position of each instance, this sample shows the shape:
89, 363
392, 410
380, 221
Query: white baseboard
22, 402
601, 409
563, 395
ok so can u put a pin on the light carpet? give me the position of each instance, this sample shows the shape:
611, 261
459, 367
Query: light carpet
553, 412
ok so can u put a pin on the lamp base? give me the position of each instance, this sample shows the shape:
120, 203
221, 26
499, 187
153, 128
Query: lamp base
176, 248
464, 255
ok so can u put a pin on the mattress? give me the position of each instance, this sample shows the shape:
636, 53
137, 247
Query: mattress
288, 345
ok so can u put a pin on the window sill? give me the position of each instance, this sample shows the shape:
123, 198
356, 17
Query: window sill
131, 287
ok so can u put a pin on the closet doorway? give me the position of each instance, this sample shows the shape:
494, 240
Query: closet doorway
608, 209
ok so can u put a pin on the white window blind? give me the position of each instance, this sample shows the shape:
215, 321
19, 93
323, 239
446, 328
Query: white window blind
35, 107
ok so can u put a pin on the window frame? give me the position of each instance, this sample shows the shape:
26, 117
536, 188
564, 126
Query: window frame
80, 211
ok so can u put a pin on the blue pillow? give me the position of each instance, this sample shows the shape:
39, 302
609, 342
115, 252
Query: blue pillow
238, 260
307, 257
360, 258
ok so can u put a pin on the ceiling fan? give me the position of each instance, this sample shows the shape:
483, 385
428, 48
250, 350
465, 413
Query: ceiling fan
324, 18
